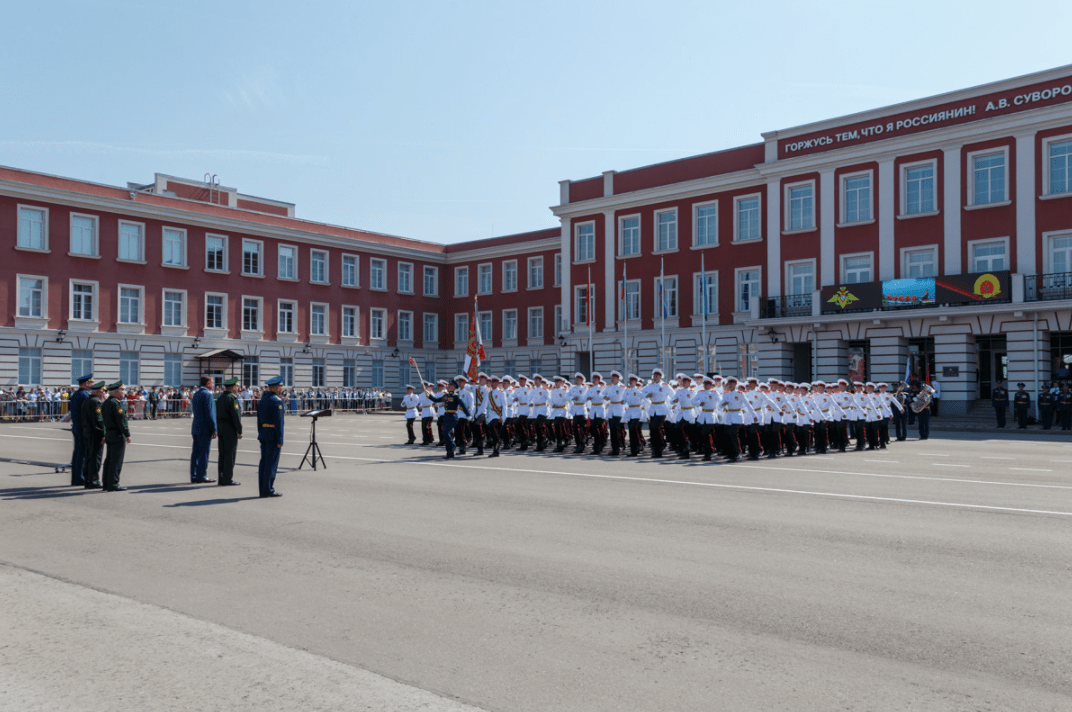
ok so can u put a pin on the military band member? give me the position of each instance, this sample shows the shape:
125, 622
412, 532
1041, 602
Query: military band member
1000, 400
452, 403
270, 435
93, 436
410, 402
116, 435
1047, 401
1064, 407
229, 431
1021, 406
78, 455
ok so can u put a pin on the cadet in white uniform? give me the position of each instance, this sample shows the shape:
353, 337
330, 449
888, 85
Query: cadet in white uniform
410, 402
559, 412
634, 401
659, 394
578, 396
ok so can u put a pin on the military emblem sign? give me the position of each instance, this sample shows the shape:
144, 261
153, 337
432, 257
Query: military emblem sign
843, 298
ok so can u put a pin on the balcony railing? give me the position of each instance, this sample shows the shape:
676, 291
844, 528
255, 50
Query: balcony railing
1048, 287
786, 306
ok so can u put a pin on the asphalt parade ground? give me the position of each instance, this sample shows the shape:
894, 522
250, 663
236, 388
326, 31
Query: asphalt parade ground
934, 575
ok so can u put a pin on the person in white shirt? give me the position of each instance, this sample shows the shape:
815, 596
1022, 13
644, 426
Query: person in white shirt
688, 437
427, 406
736, 413
888, 403
597, 416
496, 402
410, 402
578, 396
634, 401
659, 394
523, 396
615, 412
540, 399
559, 411
480, 415
462, 430
705, 403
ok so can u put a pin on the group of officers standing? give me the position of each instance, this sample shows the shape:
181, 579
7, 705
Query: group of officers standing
694, 415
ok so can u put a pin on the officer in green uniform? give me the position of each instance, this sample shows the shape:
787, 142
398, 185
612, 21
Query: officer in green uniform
1021, 404
229, 429
1046, 401
1064, 407
116, 435
1000, 400
93, 435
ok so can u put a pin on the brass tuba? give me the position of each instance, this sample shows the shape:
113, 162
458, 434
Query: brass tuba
923, 400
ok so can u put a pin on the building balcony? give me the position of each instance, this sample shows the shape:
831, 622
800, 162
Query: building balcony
1047, 287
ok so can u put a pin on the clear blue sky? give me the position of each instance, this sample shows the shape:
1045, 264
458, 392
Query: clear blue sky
454, 121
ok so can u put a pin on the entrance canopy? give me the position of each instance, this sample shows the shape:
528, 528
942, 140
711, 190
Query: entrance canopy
212, 363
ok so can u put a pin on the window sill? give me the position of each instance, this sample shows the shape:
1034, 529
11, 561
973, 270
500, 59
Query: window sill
251, 335
704, 247
164, 264
747, 242
665, 252
854, 224
625, 257
130, 328
320, 284
460, 296
350, 286
430, 345
351, 340
800, 232
217, 271
173, 331
1049, 196
131, 262
585, 262
509, 344
31, 322
285, 279
432, 296
82, 325
984, 206
286, 337
254, 276
533, 289
483, 294
85, 257
535, 341
407, 294
40, 250
909, 216
634, 324
212, 333
377, 289
319, 339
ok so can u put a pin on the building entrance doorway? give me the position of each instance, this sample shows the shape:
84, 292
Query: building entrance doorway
993, 363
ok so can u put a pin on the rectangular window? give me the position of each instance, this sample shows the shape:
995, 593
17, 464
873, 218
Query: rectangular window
33, 232
174, 247
747, 288
83, 298
919, 189
349, 373
215, 311
558, 269
991, 256
510, 276
251, 314
319, 380
1060, 167
800, 207
318, 266
287, 312
32, 297
535, 273
377, 323
461, 281
129, 305
431, 281
431, 329
629, 240
800, 278
172, 369
583, 304
629, 308
349, 270
81, 363
1060, 254
485, 327
430, 370
509, 324
288, 262
746, 218
920, 263
131, 242
215, 253
318, 320
856, 269
988, 178
286, 371
585, 240
129, 367
405, 278
30, 366
667, 295
856, 198
706, 225
83, 235
461, 328
251, 370
349, 322
560, 326
665, 230
403, 374
378, 274
377, 373
483, 279
536, 322
251, 257
405, 326
705, 294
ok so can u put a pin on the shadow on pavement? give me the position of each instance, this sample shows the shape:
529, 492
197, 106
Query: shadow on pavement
204, 502
50, 492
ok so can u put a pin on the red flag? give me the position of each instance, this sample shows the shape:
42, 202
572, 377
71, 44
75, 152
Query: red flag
474, 351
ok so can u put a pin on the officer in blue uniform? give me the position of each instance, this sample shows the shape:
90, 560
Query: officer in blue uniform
270, 435
1064, 407
1021, 404
1046, 401
452, 403
74, 407
203, 428
1000, 400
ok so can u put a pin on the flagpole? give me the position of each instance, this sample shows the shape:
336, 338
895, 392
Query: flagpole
662, 308
703, 324
625, 308
591, 318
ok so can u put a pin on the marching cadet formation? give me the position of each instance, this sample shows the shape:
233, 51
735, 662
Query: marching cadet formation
694, 415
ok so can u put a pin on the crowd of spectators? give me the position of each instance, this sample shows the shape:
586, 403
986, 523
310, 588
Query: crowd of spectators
40, 403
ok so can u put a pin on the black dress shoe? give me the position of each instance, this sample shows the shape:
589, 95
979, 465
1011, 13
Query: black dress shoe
201, 482
114, 489
94, 485
494, 454
272, 494
232, 483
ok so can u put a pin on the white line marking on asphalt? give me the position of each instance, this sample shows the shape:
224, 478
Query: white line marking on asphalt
1029, 469
931, 454
942, 464
984, 457
883, 461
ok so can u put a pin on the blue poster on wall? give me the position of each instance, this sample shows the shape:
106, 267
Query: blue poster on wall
908, 292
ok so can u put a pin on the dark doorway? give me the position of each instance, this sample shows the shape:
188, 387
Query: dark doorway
802, 366
993, 363
584, 363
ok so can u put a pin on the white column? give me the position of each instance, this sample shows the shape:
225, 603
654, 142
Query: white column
774, 238
827, 218
887, 252
1025, 204
951, 211
609, 303
567, 260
